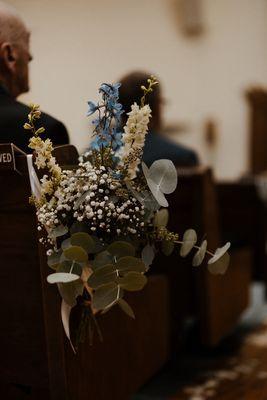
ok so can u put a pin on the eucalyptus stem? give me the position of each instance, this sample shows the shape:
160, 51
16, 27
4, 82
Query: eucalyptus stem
195, 247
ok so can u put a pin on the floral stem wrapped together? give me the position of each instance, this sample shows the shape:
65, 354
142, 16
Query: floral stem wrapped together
103, 220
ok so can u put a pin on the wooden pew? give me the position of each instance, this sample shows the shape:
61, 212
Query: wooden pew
257, 101
243, 220
36, 359
216, 302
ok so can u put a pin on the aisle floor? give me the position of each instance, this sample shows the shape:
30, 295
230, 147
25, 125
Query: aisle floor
236, 370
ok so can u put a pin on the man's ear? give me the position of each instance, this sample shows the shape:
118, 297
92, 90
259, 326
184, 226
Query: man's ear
8, 56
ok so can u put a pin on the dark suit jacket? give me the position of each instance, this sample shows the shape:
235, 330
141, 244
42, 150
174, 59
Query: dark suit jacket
13, 115
157, 147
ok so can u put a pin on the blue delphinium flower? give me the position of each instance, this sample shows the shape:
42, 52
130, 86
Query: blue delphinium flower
92, 108
117, 140
107, 125
110, 90
94, 145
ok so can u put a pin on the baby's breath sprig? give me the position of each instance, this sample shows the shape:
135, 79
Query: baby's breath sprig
152, 81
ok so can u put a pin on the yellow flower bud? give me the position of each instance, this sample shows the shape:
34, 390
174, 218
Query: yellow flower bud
27, 126
39, 131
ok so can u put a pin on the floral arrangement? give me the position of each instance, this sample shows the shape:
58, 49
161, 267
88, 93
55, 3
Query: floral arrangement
103, 222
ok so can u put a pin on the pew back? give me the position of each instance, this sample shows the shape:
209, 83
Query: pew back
24, 369
218, 300
257, 101
37, 361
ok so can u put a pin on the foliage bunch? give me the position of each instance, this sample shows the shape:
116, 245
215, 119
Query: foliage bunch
106, 220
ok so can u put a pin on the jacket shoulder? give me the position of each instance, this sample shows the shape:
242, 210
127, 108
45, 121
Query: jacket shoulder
55, 129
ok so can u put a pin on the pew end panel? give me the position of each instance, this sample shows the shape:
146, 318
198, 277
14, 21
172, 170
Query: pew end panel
37, 361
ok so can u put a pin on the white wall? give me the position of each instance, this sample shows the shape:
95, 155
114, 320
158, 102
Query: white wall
79, 44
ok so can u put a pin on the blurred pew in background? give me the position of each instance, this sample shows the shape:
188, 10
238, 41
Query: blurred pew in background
215, 302
243, 220
257, 100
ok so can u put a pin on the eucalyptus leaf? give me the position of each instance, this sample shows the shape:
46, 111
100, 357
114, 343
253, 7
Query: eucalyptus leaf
126, 308
157, 193
83, 240
103, 275
145, 198
111, 272
121, 249
106, 296
76, 253
145, 170
54, 260
200, 254
161, 218
189, 240
133, 281
129, 263
102, 259
109, 307
161, 178
65, 244
164, 174
167, 247
219, 253
60, 230
220, 265
148, 255
99, 245
148, 215
70, 291
70, 266
62, 277
149, 202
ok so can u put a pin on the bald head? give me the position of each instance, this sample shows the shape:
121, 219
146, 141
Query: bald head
14, 51
12, 28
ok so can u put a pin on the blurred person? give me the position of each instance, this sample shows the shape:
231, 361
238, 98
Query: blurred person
156, 145
14, 80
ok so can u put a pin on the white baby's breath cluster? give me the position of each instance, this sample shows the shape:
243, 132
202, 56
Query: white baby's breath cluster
133, 139
93, 196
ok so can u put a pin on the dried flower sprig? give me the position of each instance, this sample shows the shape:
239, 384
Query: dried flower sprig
152, 81
43, 153
134, 139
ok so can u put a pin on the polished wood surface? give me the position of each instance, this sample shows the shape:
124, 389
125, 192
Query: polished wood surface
36, 359
23, 363
243, 220
257, 101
